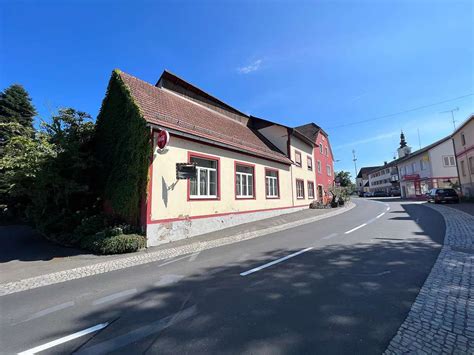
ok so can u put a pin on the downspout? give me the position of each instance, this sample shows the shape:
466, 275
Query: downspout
457, 167
288, 149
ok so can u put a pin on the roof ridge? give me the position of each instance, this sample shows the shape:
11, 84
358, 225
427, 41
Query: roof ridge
182, 97
264, 149
121, 72
200, 105
170, 73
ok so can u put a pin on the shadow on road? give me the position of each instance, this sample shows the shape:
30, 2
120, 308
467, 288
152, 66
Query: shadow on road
337, 299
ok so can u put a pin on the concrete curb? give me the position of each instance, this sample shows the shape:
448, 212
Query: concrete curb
140, 259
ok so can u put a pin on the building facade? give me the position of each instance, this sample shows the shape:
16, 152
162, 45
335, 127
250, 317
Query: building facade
244, 168
463, 142
430, 167
384, 179
323, 159
362, 179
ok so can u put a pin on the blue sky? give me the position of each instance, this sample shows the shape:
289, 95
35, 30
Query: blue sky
330, 62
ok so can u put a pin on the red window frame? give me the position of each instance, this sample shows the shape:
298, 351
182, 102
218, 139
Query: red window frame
309, 162
253, 178
208, 157
278, 184
298, 154
296, 186
310, 189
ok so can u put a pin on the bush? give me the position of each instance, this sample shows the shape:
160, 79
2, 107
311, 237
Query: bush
104, 243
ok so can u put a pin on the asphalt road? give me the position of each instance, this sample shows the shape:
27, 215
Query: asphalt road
342, 285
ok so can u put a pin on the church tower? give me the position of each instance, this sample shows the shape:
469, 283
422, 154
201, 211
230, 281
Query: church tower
404, 149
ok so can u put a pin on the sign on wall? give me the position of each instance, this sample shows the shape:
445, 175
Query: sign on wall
162, 139
185, 171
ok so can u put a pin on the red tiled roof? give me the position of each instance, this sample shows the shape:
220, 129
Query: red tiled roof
162, 107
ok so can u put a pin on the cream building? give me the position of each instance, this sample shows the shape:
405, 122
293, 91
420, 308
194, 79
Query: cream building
463, 140
430, 167
241, 168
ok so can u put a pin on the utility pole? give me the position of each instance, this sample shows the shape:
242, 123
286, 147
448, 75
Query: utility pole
354, 159
452, 115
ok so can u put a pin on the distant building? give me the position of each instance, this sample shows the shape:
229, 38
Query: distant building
430, 167
362, 179
463, 141
385, 178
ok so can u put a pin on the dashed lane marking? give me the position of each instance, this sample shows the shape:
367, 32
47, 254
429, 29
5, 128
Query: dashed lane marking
114, 296
251, 271
64, 339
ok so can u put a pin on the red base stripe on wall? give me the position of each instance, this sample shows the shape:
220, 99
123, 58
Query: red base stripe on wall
167, 220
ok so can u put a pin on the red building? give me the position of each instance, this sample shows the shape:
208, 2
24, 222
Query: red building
323, 158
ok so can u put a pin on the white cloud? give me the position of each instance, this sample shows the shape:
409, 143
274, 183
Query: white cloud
254, 66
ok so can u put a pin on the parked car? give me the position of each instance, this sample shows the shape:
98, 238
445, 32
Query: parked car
380, 194
395, 192
368, 194
442, 195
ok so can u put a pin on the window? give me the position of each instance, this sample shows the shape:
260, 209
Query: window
328, 169
298, 158
471, 164
310, 163
321, 148
205, 184
299, 189
244, 181
422, 164
271, 183
449, 161
326, 151
463, 139
319, 167
463, 168
310, 190
413, 166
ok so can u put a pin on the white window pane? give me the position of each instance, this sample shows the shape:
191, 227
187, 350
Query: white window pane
212, 183
237, 185
193, 186
203, 182
250, 185
244, 185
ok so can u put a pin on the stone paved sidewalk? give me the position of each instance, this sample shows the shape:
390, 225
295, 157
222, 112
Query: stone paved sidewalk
441, 320
182, 247
467, 207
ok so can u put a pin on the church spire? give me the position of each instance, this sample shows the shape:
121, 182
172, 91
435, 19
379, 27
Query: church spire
403, 142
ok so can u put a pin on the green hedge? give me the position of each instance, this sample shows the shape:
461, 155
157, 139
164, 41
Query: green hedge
100, 243
122, 145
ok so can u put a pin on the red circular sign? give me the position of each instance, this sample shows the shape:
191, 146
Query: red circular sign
162, 139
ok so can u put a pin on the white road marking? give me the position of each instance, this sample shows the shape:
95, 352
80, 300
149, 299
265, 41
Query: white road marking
356, 228
64, 339
49, 310
380, 215
194, 256
137, 334
275, 262
388, 208
174, 260
330, 236
168, 279
114, 296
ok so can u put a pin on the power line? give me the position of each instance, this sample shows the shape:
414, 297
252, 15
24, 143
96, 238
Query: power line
401, 112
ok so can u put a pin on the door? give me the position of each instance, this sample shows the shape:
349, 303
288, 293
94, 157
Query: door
320, 193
